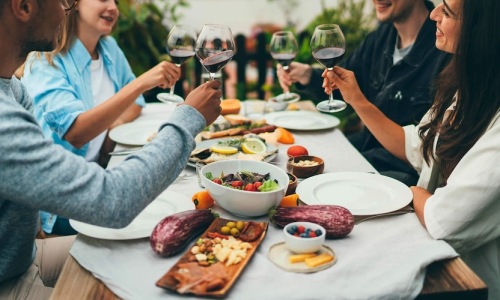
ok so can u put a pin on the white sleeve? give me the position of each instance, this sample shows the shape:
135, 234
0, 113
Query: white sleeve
466, 212
412, 147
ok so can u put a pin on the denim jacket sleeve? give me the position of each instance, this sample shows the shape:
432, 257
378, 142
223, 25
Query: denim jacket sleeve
57, 102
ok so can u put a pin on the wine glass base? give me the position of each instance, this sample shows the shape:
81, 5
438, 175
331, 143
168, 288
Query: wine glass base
286, 97
331, 106
169, 98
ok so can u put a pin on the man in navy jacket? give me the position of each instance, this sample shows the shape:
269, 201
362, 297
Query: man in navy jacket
394, 66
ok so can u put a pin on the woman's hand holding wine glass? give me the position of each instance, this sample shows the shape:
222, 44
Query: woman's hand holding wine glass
283, 49
180, 45
328, 47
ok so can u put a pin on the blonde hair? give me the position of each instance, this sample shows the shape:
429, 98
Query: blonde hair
67, 37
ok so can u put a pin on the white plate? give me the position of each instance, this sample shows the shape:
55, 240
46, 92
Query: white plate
279, 255
166, 204
302, 120
209, 143
361, 193
135, 133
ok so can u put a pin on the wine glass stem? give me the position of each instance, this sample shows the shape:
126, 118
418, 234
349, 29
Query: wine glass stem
330, 96
287, 91
172, 89
212, 78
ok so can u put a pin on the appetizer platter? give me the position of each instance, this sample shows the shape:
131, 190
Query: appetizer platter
248, 147
211, 266
236, 125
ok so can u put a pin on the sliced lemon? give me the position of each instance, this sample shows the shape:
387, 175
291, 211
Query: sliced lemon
253, 146
222, 149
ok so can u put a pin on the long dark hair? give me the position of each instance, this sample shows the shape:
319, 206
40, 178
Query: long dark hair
473, 74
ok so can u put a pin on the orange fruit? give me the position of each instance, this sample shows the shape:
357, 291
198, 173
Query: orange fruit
203, 200
290, 201
285, 136
230, 106
297, 151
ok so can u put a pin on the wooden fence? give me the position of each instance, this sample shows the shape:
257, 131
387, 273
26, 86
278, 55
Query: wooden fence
258, 56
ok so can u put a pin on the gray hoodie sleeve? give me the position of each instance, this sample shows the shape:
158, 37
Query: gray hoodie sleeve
39, 175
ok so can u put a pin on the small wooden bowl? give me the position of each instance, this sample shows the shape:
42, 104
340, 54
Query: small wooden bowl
307, 171
292, 184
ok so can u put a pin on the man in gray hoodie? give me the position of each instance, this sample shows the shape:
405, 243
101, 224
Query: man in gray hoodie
37, 175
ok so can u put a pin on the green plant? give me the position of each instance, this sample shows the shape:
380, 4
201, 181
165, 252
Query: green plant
141, 33
350, 15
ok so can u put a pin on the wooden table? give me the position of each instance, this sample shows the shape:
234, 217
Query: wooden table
444, 279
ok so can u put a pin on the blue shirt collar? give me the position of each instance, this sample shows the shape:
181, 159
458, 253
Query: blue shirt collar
82, 57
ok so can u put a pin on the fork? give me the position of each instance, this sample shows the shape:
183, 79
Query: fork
392, 213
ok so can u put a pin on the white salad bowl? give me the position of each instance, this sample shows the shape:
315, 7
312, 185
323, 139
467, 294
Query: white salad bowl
240, 202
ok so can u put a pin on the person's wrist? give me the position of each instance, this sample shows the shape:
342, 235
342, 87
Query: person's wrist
306, 78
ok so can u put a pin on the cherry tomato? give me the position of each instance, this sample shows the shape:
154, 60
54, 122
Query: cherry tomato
257, 185
250, 187
217, 180
237, 183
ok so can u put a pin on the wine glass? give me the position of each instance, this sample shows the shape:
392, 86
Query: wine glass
283, 48
328, 47
180, 46
215, 47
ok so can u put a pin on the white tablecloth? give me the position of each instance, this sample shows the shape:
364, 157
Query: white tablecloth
383, 258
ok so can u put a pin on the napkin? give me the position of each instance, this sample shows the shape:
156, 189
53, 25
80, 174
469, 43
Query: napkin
382, 258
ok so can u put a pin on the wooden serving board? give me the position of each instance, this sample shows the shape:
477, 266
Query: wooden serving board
233, 271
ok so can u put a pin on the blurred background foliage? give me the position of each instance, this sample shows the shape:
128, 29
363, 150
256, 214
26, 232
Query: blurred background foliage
144, 25
141, 33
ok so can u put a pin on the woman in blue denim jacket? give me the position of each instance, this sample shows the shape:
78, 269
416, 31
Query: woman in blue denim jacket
86, 87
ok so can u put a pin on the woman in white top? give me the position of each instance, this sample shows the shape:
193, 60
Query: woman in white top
86, 87
456, 146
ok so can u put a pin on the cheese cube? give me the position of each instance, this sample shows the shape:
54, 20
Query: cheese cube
300, 257
318, 260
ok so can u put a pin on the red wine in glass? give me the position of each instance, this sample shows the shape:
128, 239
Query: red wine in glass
284, 59
180, 46
329, 57
328, 48
216, 62
179, 56
215, 47
283, 48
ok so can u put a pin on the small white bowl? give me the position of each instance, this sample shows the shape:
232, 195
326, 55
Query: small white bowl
299, 244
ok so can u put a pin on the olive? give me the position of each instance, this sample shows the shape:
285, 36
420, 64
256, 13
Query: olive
235, 232
225, 229
231, 224
240, 225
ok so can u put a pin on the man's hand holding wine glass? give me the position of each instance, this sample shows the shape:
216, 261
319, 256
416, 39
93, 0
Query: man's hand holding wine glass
206, 99
283, 49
